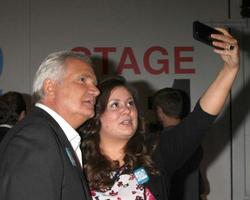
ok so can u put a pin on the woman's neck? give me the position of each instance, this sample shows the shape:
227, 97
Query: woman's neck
113, 150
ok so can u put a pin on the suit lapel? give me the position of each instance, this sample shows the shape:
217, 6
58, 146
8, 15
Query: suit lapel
68, 150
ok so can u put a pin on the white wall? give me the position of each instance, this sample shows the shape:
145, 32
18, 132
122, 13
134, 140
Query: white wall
30, 30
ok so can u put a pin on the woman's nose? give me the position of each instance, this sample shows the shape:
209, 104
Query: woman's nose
126, 109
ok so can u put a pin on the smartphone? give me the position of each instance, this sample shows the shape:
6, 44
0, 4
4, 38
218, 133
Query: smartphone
202, 32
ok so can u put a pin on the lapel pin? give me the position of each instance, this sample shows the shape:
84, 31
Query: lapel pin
141, 175
72, 160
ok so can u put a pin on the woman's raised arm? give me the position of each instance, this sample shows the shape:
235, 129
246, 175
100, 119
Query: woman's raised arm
214, 97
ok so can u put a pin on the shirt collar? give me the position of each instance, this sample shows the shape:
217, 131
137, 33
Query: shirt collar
6, 125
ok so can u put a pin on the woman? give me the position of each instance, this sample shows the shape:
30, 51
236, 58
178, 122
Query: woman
117, 161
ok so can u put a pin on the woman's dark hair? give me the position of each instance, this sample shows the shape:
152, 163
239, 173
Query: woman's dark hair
11, 105
97, 166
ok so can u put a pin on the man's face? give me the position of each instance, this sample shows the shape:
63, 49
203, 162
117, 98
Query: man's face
75, 95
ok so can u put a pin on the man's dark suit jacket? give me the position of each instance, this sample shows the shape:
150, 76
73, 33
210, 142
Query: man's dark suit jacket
37, 162
3, 131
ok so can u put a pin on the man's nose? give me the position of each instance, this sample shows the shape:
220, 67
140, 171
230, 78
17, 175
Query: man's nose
94, 90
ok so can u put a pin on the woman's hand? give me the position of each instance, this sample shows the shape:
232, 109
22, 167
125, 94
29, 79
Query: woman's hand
230, 53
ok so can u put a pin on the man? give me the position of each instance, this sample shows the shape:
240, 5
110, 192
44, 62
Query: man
171, 106
40, 157
12, 110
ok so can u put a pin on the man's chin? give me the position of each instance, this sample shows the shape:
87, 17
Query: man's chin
90, 115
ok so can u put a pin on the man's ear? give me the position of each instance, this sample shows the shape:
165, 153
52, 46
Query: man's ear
159, 112
49, 87
22, 115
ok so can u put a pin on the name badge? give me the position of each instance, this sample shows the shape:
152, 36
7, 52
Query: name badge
141, 175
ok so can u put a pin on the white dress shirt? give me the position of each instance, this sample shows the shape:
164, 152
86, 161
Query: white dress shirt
6, 125
70, 132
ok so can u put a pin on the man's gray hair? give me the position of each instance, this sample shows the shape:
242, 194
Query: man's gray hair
53, 67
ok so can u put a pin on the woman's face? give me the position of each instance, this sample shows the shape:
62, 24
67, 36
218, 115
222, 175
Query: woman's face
119, 120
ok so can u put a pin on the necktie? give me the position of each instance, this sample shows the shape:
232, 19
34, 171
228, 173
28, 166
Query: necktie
76, 146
